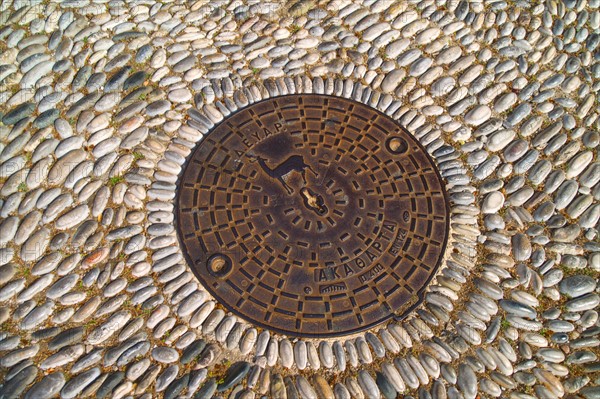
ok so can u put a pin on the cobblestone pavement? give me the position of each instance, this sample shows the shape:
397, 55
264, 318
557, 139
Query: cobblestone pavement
102, 101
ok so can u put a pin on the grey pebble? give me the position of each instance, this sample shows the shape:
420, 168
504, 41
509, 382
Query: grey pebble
75, 385
14, 387
47, 387
578, 285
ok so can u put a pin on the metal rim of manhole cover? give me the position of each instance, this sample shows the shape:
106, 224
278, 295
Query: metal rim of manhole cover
312, 215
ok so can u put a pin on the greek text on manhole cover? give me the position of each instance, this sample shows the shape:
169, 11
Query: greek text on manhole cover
312, 215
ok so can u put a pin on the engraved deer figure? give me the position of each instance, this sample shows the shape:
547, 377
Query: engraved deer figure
293, 163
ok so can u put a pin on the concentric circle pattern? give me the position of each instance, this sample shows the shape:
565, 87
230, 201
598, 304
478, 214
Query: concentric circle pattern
103, 105
330, 216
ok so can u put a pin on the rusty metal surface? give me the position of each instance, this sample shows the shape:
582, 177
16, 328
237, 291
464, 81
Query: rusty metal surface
312, 216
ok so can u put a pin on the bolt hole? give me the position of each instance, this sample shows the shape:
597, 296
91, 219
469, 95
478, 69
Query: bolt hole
397, 145
219, 265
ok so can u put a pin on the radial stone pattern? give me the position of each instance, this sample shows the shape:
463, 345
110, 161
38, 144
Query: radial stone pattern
312, 215
472, 126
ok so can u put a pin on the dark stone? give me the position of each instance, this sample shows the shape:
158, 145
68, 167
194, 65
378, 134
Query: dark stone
81, 77
207, 390
13, 388
235, 374
590, 392
385, 387
136, 95
48, 387
176, 387
109, 384
143, 53
135, 80
45, 333
290, 387
82, 104
192, 351
46, 118
139, 349
65, 338
16, 114
117, 80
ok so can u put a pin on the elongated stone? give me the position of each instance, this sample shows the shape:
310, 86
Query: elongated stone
467, 381
47, 387
20, 112
234, 374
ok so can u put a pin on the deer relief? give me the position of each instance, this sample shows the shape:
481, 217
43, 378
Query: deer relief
293, 163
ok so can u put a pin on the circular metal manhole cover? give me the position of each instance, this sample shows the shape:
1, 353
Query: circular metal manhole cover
312, 215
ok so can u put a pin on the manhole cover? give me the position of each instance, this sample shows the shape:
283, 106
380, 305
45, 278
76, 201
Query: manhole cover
312, 215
